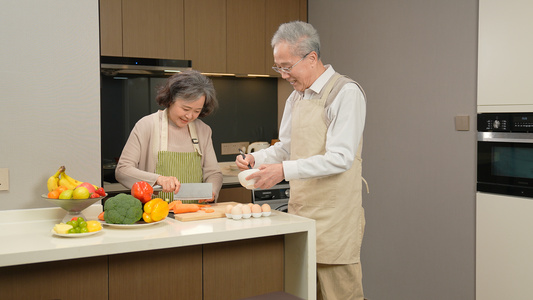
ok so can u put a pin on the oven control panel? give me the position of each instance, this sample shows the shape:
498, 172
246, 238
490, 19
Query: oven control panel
279, 191
505, 122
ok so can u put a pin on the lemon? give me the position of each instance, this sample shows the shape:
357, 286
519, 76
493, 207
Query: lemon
94, 226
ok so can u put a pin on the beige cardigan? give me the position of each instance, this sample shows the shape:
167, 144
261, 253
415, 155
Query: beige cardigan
138, 160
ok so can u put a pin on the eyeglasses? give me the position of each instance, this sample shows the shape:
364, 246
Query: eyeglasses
288, 70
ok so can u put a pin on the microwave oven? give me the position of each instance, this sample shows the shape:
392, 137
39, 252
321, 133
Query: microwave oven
505, 153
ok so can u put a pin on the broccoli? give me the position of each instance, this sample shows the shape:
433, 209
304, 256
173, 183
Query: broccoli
122, 209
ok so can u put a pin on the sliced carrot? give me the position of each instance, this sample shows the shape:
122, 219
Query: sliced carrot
208, 210
101, 216
185, 208
173, 203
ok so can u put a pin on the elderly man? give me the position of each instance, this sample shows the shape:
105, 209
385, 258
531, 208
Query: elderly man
319, 153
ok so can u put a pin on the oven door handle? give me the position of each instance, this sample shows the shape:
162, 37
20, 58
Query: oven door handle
505, 137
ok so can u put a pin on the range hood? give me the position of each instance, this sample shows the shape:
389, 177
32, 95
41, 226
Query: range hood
117, 65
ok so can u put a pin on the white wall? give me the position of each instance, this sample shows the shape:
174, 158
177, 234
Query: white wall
49, 95
416, 60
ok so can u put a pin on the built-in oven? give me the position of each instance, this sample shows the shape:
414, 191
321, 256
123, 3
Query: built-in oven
505, 153
277, 196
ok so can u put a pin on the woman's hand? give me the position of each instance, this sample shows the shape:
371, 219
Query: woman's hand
169, 184
208, 200
242, 163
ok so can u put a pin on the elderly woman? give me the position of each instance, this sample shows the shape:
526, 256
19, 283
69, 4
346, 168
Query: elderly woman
172, 145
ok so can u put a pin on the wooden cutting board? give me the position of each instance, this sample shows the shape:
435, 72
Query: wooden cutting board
220, 212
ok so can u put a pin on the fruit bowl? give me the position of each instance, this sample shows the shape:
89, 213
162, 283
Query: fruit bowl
73, 206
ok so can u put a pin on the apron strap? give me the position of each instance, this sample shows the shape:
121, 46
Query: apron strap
156, 131
194, 137
164, 131
329, 87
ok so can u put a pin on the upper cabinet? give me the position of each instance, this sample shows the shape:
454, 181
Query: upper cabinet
504, 53
153, 29
246, 36
111, 27
205, 34
279, 12
222, 36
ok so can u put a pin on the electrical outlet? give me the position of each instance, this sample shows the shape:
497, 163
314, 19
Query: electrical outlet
4, 179
233, 148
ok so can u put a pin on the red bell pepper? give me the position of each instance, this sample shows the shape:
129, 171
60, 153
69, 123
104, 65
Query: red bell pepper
142, 191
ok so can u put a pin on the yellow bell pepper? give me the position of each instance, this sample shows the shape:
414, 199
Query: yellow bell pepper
155, 210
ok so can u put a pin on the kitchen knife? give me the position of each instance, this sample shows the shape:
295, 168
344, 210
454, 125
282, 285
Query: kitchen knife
192, 191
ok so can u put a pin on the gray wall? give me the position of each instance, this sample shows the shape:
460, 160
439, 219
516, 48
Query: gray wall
49, 96
416, 60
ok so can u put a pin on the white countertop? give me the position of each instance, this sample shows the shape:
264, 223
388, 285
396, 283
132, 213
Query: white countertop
27, 238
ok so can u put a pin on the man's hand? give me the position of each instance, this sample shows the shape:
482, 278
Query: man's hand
268, 176
242, 163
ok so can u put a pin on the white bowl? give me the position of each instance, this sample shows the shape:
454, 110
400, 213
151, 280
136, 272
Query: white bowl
257, 215
266, 213
249, 184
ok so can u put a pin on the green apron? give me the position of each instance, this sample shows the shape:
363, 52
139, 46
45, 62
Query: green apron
185, 166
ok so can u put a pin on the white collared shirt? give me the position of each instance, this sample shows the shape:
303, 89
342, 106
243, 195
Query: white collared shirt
347, 114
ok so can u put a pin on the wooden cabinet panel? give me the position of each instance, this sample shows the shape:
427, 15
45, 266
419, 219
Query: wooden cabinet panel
205, 34
235, 270
111, 27
153, 28
277, 13
246, 36
174, 273
235, 194
83, 279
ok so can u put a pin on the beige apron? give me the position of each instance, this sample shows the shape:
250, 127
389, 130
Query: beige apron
185, 166
335, 201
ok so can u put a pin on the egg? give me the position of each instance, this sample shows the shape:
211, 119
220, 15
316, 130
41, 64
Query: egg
266, 210
228, 210
236, 212
265, 207
256, 211
250, 204
246, 211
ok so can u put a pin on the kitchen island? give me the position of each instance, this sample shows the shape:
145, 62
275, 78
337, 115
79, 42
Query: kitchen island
208, 255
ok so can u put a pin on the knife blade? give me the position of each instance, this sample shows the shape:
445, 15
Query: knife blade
192, 191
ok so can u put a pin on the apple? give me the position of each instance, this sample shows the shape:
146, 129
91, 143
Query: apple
80, 192
89, 187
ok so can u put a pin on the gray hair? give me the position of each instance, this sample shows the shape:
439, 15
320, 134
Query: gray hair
302, 37
189, 86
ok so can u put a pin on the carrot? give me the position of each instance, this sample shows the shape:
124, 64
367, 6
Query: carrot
173, 203
185, 208
101, 216
208, 210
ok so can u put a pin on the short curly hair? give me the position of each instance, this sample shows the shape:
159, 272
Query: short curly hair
189, 86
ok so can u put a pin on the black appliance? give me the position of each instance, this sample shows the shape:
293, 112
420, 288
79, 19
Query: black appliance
505, 153
277, 196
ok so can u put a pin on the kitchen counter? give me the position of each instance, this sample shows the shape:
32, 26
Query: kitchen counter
27, 239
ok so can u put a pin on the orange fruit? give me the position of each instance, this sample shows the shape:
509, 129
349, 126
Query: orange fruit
54, 194
61, 188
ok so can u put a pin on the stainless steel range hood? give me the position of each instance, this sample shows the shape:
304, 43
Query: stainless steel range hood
117, 65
